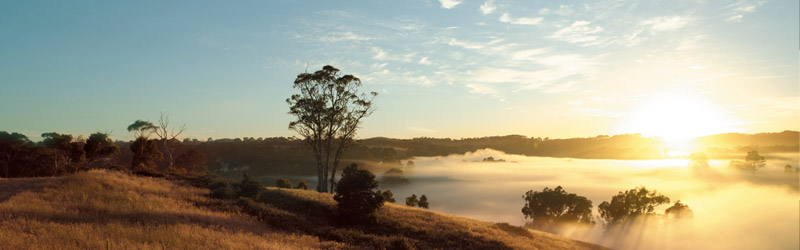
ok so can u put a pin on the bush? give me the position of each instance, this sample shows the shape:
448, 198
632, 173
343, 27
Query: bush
283, 183
222, 190
357, 200
423, 201
250, 188
388, 196
302, 185
412, 200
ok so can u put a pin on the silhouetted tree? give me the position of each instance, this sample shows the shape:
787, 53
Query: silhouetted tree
302, 185
631, 203
12, 145
679, 211
698, 160
552, 207
423, 201
788, 169
98, 147
141, 128
145, 155
388, 196
410, 165
752, 162
283, 183
356, 197
66, 154
168, 137
251, 188
412, 200
328, 111
394, 176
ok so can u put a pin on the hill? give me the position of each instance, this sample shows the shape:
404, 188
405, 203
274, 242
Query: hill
106, 209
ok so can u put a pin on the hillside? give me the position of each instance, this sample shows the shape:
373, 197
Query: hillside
105, 209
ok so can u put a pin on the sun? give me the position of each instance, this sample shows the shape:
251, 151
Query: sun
677, 119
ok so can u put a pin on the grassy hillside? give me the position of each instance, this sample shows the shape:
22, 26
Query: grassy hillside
100, 209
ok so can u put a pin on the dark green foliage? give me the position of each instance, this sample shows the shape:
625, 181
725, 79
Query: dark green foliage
99, 146
630, 204
394, 176
283, 183
145, 154
388, 196
302, 185
679, 211
423, 201
412, 200
193, 161
251, 188
66, 155
552, 207
356, 197
223, 190
12, 147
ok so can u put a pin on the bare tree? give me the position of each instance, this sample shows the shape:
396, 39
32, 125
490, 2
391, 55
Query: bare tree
168, 136
329, 110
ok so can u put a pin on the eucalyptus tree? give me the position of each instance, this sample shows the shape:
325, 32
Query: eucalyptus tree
328, 110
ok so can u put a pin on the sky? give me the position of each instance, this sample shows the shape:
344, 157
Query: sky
442, 68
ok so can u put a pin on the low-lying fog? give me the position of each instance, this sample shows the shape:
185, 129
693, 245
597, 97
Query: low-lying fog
732, 209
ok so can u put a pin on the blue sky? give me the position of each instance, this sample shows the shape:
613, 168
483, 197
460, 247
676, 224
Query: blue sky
442, 68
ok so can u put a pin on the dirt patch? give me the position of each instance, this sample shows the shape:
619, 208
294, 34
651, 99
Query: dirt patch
12, 186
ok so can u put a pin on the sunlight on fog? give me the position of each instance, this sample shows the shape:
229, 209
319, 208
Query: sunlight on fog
732, 210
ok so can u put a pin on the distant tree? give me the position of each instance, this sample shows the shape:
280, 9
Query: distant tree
12, 145
412, 200
251, 188
168, 137
552, 207
98, 147
679, 211
66, 153
788, 169
394, 176
329, 110
222, 190
141, 128
145, 155
423, 201
631, 203
410, 165
752, 162
302, 185
356, 195
698, 160
388, 196
193, 161
283, 183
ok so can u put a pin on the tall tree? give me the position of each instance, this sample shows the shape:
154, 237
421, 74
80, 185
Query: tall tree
99, 146
11, 146
631, 203
329, 110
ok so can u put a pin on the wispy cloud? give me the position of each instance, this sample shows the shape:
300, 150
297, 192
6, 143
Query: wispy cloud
488, 7
342, 36
666, 23
449, 4
563, 10
737, 10
579, 32
522, 20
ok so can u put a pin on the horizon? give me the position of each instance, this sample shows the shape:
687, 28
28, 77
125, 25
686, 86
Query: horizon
449, 69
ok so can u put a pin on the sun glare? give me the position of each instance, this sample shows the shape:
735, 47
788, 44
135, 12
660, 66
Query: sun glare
677, 119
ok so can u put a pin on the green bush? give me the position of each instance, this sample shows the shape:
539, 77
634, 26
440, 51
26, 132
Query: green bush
302, 185
283, 183
356, 197
388, 196
412, 200
423, 201
222, 190
250, 188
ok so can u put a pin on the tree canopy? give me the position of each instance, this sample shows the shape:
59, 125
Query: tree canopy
551, 207
631, 203
356, 195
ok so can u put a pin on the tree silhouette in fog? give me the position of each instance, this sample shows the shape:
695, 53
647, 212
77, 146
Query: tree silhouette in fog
412, 200
394, 176
630, 204
423, 201
752, 162
356, 197
551, 207
679, 211
698, 160
329, 110
388, 196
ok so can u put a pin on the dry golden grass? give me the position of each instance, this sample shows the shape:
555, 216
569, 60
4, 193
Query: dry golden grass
100, 209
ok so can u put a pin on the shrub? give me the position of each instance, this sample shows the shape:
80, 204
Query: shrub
250, 188
423, 201
412, 200
388, 196
283, 183
356, 199
222, 190
302, 185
